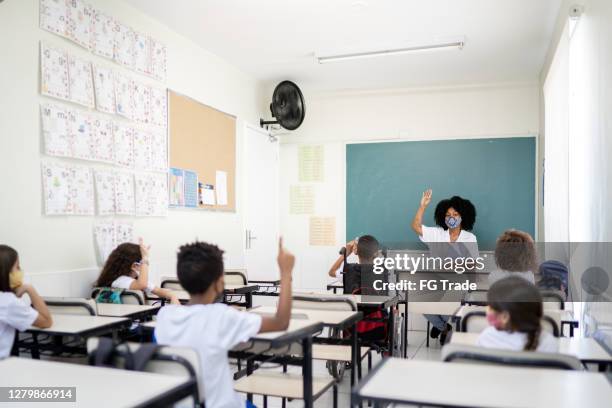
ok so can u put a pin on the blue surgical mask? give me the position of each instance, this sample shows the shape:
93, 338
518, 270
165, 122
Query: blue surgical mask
452, 222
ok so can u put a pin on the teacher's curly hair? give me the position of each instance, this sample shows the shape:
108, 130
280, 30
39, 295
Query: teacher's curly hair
464, 207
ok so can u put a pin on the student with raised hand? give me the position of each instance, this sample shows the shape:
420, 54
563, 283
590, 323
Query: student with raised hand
454, 218
212, 329
515, 255
361, 250
15, 314
515, 313
127, 267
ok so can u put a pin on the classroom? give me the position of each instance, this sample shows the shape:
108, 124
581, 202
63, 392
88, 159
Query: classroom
314, 203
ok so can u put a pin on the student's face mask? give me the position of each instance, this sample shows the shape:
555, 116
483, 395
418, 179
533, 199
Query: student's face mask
494, 320
15, 279
452, 222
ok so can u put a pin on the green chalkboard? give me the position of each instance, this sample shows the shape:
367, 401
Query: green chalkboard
385, 181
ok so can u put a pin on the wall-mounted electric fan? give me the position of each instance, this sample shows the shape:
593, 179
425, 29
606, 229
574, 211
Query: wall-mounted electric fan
287, 106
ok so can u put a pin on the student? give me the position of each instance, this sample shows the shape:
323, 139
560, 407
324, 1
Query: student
515, 255
127, 267
455, 218
14, 313
514, 313
212, 329
361, 250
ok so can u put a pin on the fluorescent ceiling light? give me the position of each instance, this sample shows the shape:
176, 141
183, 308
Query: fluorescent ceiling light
397, 51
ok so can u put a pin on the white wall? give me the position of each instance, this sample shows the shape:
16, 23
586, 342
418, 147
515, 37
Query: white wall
422, 114
51, 247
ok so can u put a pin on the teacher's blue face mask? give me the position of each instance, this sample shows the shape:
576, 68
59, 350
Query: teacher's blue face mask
452, 222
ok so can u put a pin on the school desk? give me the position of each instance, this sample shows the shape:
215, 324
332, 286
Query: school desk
335, 287
586, 349
96, 386
434, 383
140, 312
229, 290
73, 325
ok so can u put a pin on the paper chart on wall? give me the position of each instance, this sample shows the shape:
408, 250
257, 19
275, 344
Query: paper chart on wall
177, 187
103, 34
54, 73
158, 196
124, 45
81, 135
56, 132
79, 22
141, 99
104, 85
159, 107
221, 187
124, 194
124, 232
104, 233
322, 231
103, 140
142, 53
56, 188
82, 191
191, 188
142, 187
301, 199
105, 192
207, 192
81, 82
123, 96
142, 150
53, 16
124, 146
310, 161
158, 60
159, 151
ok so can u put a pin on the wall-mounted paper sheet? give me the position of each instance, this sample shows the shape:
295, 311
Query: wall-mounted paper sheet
322, 231
159, 107
124, 104
105, 192
82, 191
124, 232
81, 81
124, 145
56, 188
54, 72
159, 151
53, 15
310, 161
301, 199
124, 45
141, 99
177, 187
207, 193
104, 233
142, 53
104, 85
79, 22
142, 150
221, 187
103, 35
158, 60
191, 189
103, 139
81, 135
55, 130
159, 194
124, 194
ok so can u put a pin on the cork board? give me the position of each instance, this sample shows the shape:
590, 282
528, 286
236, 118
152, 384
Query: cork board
203, 139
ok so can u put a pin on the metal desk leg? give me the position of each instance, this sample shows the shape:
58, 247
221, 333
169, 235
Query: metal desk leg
249, 300
35, 350
250, 365
307, 372
354, 353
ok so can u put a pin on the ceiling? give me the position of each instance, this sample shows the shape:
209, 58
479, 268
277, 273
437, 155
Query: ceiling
272, 40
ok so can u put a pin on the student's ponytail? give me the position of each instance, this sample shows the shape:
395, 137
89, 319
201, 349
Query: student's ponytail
533, 339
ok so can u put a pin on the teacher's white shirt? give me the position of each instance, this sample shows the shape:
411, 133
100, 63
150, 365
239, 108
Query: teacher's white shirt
432, 235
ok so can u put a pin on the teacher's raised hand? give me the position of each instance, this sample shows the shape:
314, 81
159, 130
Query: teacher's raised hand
426, 199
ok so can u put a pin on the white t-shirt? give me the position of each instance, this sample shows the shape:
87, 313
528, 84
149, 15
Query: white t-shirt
351, 259
501, 339
212, 330
124, 282
433, 235
498, 274
14, 314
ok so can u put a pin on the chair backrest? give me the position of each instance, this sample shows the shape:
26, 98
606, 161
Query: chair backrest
476, 297
177, 361
553, 299
170, 282
476, 321
234, 278
323, 303
71, 306
459, 353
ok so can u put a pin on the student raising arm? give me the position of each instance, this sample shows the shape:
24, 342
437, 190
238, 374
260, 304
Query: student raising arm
15, 314
127, 267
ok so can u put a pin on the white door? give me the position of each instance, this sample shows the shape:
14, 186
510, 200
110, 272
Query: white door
262, 202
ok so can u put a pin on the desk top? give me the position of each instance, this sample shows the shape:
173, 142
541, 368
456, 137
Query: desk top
330, 318
125, 310
360, 300
557, 315
497, 386
437, 308
91, 382
584, 349
66, 325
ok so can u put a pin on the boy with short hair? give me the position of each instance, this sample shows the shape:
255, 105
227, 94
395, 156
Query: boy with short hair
212, 329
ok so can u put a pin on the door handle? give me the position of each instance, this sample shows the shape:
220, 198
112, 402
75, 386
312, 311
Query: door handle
249, 238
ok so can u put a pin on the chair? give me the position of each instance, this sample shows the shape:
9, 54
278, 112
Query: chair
476, 321
71, 306
235, 277
324, 303
553, 299
476, 297
170, 282
176, 361
458, 353
128, 296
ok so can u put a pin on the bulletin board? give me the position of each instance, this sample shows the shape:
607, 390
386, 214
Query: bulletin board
203, 139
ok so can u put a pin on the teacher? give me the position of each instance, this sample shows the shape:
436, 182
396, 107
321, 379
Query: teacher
455, 218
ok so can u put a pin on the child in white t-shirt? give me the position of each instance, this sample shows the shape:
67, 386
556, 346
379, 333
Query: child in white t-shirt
127, 267
212, 329
14, 313
515, 313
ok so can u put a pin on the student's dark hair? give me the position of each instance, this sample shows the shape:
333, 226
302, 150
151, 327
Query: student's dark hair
8, 259
464, 207
523, 302
515, 251
119, 263
367, 247
198, 266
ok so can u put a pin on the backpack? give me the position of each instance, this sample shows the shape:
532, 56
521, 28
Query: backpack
554, 276
109, 295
